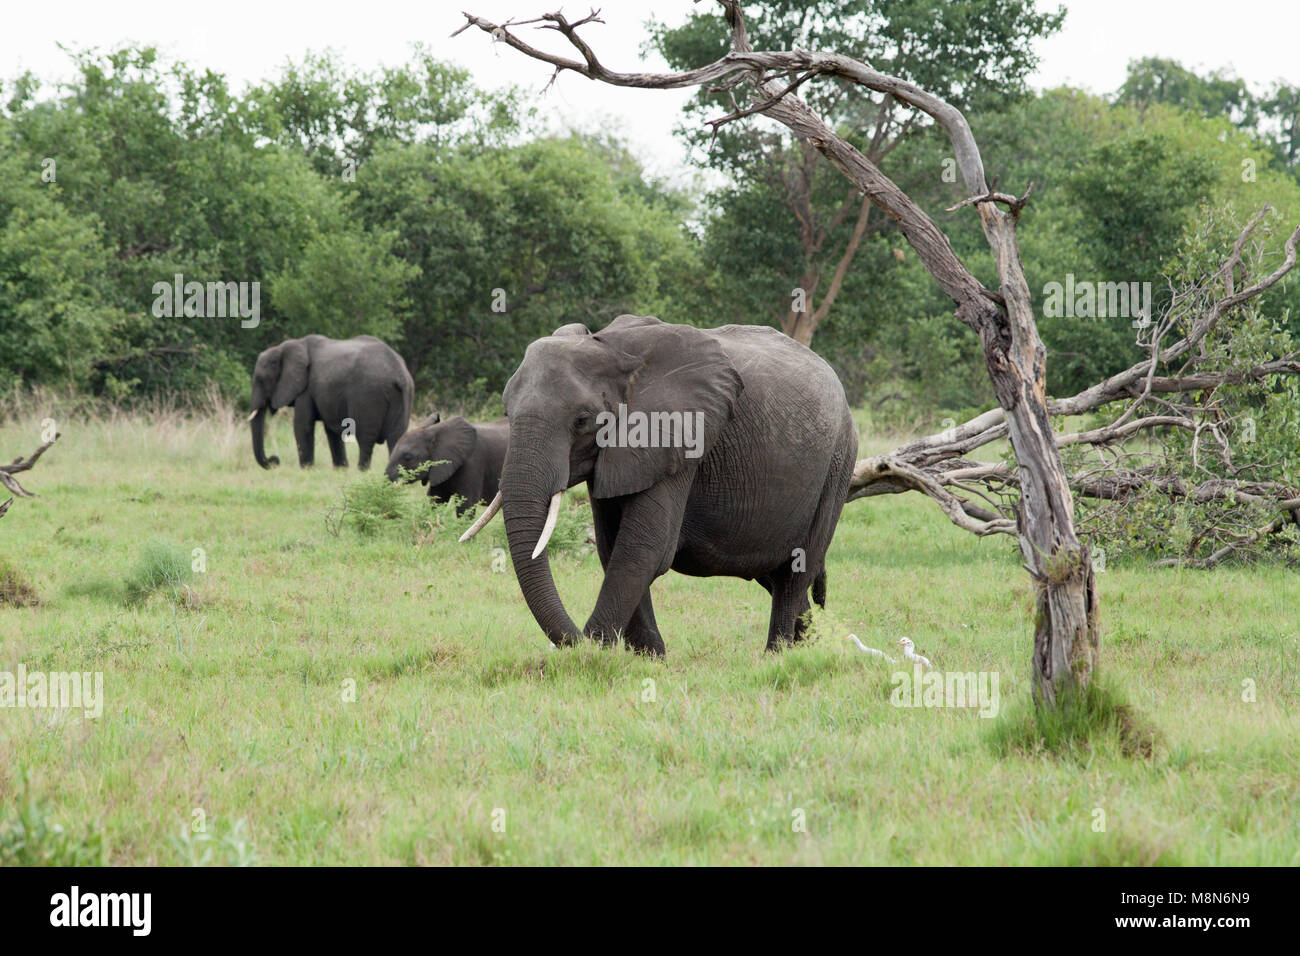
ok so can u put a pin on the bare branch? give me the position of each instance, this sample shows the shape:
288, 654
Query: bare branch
7, 472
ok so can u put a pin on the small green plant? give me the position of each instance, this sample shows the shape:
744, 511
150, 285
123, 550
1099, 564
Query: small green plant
29, 838
410, 475
163, 566
374, 503
202, 849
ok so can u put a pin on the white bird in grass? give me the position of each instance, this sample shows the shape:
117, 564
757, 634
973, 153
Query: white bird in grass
909, 653
870, 650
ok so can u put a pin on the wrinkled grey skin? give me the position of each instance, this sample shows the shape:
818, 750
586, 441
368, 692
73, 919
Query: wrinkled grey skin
329, 380
779, 449
469, 458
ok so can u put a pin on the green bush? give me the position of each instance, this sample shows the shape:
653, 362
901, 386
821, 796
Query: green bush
28, 838
163, 565
374, 503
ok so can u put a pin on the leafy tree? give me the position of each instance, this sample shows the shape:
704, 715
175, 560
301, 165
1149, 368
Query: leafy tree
1282, 107
812, 225
512, 242
344, 284
1156, 80
53, 320
178, 175
335, 115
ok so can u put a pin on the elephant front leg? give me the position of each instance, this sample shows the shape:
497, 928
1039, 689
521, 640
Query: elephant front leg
304, 430
642, 631
637, 539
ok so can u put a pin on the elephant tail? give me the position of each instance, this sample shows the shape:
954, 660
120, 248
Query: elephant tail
819, 589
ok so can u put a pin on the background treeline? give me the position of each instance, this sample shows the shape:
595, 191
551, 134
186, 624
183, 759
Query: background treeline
398, 202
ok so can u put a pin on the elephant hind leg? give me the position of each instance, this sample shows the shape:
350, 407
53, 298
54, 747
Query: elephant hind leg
790, 605
364, 450
338, 450
789, 621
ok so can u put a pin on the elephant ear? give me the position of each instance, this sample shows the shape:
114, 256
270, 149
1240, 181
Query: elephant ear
573, 328
684, 385
453, 443
294, 364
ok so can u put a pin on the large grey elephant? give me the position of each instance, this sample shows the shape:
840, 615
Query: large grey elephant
723, 451
468, 458
356, 386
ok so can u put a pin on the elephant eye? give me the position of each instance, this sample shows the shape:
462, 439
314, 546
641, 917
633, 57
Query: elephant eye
581, 422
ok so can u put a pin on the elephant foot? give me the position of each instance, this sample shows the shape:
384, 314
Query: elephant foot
780, 640
606, 637
633, 639
639, 640
647, 644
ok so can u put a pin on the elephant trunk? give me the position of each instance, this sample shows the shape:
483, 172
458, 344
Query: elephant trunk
526, 494
258, 425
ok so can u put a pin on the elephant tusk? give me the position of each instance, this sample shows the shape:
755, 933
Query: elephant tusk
549, 527
253, 414
483, 519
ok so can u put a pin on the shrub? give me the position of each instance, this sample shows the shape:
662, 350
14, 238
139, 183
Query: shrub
163, 565
28, 838
374, 503
15, 591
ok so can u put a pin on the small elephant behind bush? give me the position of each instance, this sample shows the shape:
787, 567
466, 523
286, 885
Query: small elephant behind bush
454, 458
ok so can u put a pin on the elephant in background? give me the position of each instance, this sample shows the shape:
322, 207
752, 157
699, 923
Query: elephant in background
468, 458
331, 381
750, 485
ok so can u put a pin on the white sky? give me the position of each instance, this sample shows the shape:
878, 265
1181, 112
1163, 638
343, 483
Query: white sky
249, 39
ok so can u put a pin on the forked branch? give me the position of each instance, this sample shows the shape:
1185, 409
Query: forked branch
7, 472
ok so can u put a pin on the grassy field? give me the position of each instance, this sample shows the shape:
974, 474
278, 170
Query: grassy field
341, 690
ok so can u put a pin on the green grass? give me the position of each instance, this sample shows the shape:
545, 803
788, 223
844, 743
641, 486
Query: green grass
229, 734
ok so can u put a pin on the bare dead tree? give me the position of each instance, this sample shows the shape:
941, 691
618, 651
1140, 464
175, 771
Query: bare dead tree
1066, 642
7, 473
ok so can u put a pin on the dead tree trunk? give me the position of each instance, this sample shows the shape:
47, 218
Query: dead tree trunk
1065, 634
